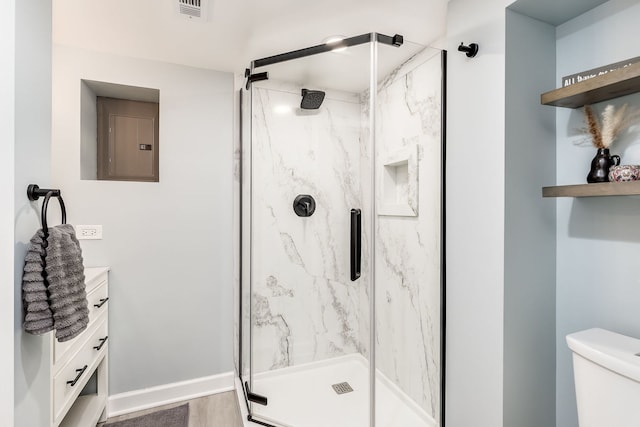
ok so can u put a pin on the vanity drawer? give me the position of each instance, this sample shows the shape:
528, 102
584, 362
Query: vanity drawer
70, 380
98, 303
98, 300
94, 277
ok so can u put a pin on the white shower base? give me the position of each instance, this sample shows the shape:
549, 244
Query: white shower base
302, 396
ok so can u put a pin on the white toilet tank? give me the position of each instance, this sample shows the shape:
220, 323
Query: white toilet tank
606, 368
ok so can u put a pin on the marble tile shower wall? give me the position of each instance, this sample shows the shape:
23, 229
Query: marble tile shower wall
409, 114
305, 308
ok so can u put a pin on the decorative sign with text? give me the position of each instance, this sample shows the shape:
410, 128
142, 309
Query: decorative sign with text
586, 75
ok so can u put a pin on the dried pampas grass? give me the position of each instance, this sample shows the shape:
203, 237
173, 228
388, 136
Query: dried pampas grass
614, 121
593, 126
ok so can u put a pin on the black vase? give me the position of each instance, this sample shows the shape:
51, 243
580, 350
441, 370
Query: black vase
600, 166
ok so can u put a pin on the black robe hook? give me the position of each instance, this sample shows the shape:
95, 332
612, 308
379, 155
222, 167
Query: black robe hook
471, 50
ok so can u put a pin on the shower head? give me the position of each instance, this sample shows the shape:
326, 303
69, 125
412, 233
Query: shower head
311, 99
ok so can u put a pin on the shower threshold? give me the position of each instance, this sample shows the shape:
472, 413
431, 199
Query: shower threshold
303, 396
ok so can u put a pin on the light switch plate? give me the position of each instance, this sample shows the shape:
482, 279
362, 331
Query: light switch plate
89, 232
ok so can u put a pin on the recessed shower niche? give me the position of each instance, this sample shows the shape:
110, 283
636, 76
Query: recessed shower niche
335, 297
399, 183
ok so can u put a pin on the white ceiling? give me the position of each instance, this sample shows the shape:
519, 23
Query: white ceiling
236, 31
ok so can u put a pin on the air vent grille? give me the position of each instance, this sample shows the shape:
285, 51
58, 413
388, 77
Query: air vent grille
192, 8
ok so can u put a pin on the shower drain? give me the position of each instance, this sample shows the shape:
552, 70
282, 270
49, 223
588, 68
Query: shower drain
342, 388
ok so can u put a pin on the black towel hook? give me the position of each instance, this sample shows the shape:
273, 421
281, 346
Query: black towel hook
34, 193
471, 50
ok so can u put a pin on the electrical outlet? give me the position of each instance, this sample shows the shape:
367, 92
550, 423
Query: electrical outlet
89, 232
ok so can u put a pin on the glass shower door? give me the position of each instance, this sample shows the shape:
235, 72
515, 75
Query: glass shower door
310, 211
342, 236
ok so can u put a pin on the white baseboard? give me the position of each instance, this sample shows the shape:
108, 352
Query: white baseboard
137, 400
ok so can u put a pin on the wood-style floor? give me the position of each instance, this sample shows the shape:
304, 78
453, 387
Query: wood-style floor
218, 410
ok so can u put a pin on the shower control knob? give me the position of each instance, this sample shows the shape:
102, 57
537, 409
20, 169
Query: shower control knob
304, 205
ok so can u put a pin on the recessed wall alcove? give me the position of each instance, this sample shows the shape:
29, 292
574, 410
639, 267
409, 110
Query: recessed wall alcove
90, 91
550, 273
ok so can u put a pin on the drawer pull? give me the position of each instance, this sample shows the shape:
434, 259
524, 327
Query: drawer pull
102, 341
102, 301
80, 372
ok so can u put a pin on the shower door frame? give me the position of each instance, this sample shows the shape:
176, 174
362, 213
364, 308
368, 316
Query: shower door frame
373, 39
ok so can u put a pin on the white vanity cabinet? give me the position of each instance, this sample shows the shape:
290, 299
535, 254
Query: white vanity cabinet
74, 362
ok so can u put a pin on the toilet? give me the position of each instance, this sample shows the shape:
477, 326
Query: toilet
606, 368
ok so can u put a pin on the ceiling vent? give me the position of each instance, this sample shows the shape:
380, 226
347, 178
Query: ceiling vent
192, 9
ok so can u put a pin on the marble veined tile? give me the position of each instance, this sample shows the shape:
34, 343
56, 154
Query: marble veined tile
408, 260
305, 308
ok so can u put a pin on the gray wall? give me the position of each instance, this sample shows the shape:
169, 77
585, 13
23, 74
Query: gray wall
475, 214
500, 232
7, 132
32, 165
530, 229
597, 242
169, 244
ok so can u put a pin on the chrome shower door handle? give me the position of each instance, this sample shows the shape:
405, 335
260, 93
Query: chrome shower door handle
356, 243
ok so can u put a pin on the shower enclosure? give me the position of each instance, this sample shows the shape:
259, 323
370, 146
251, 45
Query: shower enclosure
341, 284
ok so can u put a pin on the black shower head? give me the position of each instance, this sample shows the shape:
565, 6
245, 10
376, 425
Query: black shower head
311, 99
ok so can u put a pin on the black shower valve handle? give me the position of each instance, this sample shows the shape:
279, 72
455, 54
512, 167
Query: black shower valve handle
304, 205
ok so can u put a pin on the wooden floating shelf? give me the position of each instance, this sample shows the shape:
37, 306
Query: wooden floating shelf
594, 190
620, 82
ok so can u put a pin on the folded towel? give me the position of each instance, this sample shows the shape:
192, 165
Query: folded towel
38, 318
60, 302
